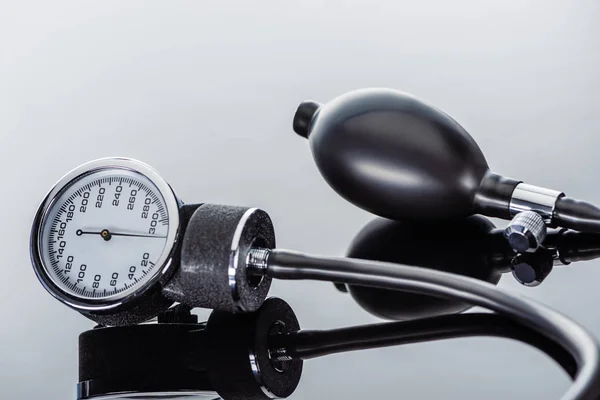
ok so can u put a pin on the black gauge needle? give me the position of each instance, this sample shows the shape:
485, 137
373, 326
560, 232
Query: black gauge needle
107, 235
80, 232
136, 235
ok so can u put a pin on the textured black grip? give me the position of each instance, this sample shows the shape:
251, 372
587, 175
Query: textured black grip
212, 273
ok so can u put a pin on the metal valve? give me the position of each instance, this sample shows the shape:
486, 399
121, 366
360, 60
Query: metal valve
526, 232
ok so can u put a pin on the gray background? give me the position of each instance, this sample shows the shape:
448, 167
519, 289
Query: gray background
205, 92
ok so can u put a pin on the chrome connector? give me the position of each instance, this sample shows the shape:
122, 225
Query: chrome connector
257, 261
533, 198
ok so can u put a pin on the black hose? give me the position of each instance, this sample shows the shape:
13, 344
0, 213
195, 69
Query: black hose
318, 343
577, 215
582, 345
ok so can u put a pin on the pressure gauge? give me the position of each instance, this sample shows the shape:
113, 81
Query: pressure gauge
105, 234
112, 241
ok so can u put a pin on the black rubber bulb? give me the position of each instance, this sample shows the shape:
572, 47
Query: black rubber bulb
398, 157
401, 158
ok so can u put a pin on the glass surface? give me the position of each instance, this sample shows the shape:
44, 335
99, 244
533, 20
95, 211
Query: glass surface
205, 92
163, 396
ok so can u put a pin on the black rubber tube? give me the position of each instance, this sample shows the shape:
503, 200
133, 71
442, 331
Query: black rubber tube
283, 264
307, 344
577, 215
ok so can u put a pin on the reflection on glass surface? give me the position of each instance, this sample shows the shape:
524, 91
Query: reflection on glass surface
163, 396
236, 338
179, 358
471, 247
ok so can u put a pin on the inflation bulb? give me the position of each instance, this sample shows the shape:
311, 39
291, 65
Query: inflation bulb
401, 158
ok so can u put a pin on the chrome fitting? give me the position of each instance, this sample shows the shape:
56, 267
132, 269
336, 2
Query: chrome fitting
533, 198
257, 261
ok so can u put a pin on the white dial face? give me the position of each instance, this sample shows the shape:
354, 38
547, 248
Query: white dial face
104, 234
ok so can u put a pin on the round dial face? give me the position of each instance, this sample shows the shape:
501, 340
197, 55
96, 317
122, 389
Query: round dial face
106, 233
